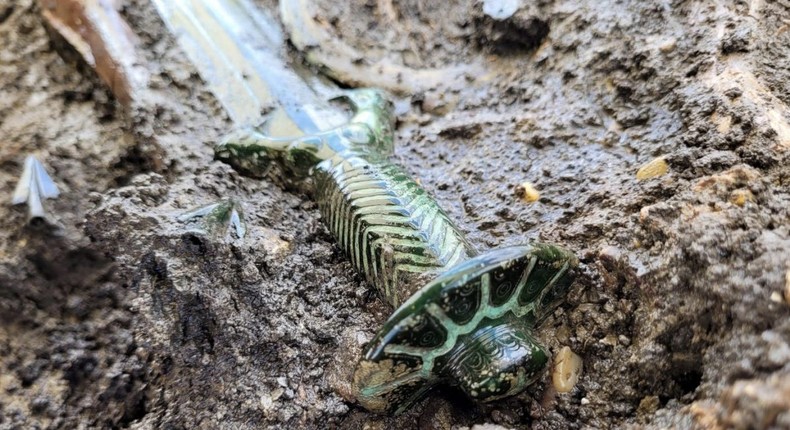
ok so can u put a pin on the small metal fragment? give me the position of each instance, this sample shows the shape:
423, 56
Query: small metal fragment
216, 218
33, 187
653, 169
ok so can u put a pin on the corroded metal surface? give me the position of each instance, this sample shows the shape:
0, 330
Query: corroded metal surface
395, 234
34, 186
472, 324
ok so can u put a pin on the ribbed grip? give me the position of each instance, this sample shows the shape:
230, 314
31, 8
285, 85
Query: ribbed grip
391, 229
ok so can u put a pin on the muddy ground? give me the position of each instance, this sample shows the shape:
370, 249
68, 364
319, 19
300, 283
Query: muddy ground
118, 316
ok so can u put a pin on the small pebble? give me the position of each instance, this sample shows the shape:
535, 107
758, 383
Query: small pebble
653, 169
778, 348
488, 426
723, 122
250, 273
527, 192
500, 9
733, 92
39, 405
373, 423
648, 406
668, 45
275, 245
740, 196
787, 286
266, 402
567, 369
780, 126
609, 340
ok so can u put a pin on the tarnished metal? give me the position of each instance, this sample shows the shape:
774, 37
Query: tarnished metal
462, 318
34, 186
217, 219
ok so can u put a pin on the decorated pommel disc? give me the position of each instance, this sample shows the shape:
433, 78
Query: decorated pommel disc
471, 327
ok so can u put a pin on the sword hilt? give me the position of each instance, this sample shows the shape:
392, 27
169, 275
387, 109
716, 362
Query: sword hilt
407, 247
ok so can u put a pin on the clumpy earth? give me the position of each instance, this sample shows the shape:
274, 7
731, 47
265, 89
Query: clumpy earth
118, 315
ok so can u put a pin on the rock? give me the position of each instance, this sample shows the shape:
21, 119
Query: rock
508, 26
527, 192
653, 169
567, 370
757, 404
787, 286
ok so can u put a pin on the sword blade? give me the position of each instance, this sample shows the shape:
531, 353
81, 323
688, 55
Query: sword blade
239, 51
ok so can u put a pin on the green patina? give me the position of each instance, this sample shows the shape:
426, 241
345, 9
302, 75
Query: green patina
462, 318
217, 218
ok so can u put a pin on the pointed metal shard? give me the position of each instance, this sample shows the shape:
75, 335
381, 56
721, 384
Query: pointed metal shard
216, 218
238, 224
45, 183
34, 185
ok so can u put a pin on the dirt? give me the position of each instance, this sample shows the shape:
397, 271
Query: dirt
120, 316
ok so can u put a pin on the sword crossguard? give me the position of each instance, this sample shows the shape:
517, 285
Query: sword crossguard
370, 130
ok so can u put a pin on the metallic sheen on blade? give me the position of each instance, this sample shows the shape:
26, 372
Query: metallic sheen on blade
239, 51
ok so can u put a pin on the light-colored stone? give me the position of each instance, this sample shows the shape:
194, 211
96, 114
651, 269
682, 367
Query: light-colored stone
567, 370
527, 192
653, 169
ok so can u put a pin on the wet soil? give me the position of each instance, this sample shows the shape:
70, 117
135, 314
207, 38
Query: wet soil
121, 316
